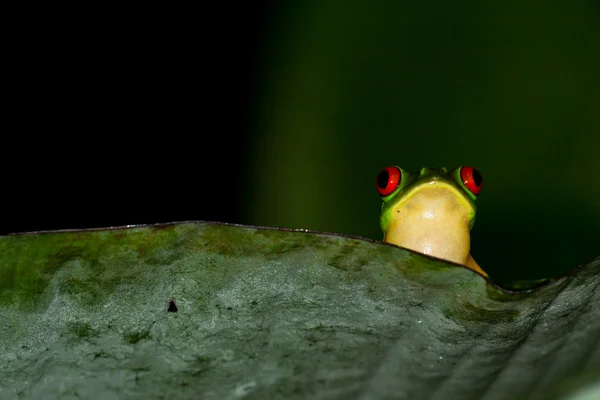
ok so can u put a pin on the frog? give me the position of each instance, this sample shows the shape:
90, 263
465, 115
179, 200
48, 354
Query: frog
431, 211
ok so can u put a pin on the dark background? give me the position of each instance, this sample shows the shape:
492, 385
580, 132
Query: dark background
128, 116
283, 115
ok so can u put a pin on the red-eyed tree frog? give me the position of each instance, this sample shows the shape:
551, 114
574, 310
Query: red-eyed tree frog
431, 211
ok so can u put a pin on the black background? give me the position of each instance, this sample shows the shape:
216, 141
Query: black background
121, 117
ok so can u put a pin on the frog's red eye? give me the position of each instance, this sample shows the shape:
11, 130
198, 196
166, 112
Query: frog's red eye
388, 180
472, 179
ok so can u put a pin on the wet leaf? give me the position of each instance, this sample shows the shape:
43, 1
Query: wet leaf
213, 311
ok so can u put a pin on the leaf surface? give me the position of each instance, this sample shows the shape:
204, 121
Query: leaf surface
266, 313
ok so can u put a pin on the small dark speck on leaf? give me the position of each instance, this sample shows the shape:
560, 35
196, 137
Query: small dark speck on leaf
172, 306
254, 302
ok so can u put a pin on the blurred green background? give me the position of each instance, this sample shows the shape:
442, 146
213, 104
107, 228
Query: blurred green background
282, 114
347, 88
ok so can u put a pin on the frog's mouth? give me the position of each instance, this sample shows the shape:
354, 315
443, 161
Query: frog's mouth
433, 218
441, 197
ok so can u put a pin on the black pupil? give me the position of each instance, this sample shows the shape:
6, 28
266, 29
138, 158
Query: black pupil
383, 179
477, 178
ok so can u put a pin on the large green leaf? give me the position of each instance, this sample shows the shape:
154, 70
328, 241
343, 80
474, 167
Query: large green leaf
265, 313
